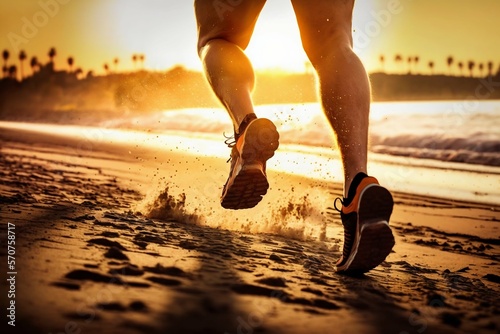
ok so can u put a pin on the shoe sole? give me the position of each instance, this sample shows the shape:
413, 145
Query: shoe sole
250, 183
374, 239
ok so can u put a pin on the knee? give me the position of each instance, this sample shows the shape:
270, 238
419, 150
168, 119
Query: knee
203, 42
325, 45
233, 29
325, 30
239, 40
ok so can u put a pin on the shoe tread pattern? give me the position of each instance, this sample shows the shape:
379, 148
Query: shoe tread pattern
376, 238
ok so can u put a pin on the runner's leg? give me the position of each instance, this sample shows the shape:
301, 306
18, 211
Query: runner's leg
325, 29
224, 31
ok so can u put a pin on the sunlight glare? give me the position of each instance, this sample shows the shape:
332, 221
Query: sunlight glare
276, 44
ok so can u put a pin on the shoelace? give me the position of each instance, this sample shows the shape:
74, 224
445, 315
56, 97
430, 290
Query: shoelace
230, 142
335, 204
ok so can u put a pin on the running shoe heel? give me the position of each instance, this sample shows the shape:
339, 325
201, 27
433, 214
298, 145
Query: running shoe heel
247, 182
375, 245
376, 204
367, 230
261, 140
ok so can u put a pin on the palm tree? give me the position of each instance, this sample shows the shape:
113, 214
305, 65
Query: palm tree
431, 66
410, 59
461, 67
5, 70
106, 68
71, 61
141, 57
470, 65
416, 60
481, 68
116, 61
134, 59
12, 71
398, 59
22, 58
490, 68
34, 64
5, 56
449, 61
52, 54
382, 59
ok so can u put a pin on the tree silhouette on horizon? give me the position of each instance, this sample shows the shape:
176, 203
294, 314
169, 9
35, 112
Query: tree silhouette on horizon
398, 59
22, 58
134, 60
106, 67
480, 67
141, 57
449, 61
34, 64
461, 68
115, 62
5, 56
71, 61
431, 66
13, 71
381, 58
52, 54
409, 59
470, 65
416, 59
490, 68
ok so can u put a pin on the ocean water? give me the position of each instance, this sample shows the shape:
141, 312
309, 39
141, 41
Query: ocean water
466, 132
448, 149
321, 165
439, 149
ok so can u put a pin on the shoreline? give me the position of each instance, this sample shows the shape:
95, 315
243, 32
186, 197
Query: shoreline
430, 178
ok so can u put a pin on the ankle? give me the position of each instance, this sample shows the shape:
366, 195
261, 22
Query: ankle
244, 123
352, 188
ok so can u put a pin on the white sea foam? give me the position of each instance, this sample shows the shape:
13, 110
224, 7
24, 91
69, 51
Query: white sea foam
459, 131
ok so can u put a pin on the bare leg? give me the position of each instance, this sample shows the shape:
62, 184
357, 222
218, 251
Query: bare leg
344, 87
224, 32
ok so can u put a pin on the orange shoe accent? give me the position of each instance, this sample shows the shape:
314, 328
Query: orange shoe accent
240, 142
355, 201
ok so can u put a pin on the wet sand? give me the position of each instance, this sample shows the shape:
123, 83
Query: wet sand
107, 241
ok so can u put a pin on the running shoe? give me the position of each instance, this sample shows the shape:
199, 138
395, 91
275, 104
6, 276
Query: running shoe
247, 182
368, 239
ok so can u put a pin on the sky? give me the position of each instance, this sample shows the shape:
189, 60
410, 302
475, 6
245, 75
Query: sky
95, 32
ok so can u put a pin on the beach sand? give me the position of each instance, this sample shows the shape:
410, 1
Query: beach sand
107, 241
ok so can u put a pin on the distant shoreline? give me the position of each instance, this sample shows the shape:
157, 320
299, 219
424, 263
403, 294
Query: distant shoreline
49, 93
418, 87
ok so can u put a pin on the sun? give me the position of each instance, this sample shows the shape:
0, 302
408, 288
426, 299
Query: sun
276, 42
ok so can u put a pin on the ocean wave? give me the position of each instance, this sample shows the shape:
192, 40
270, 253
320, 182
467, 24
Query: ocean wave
464, 156
428, 131
479, 148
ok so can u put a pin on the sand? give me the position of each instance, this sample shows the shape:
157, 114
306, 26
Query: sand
109, 240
